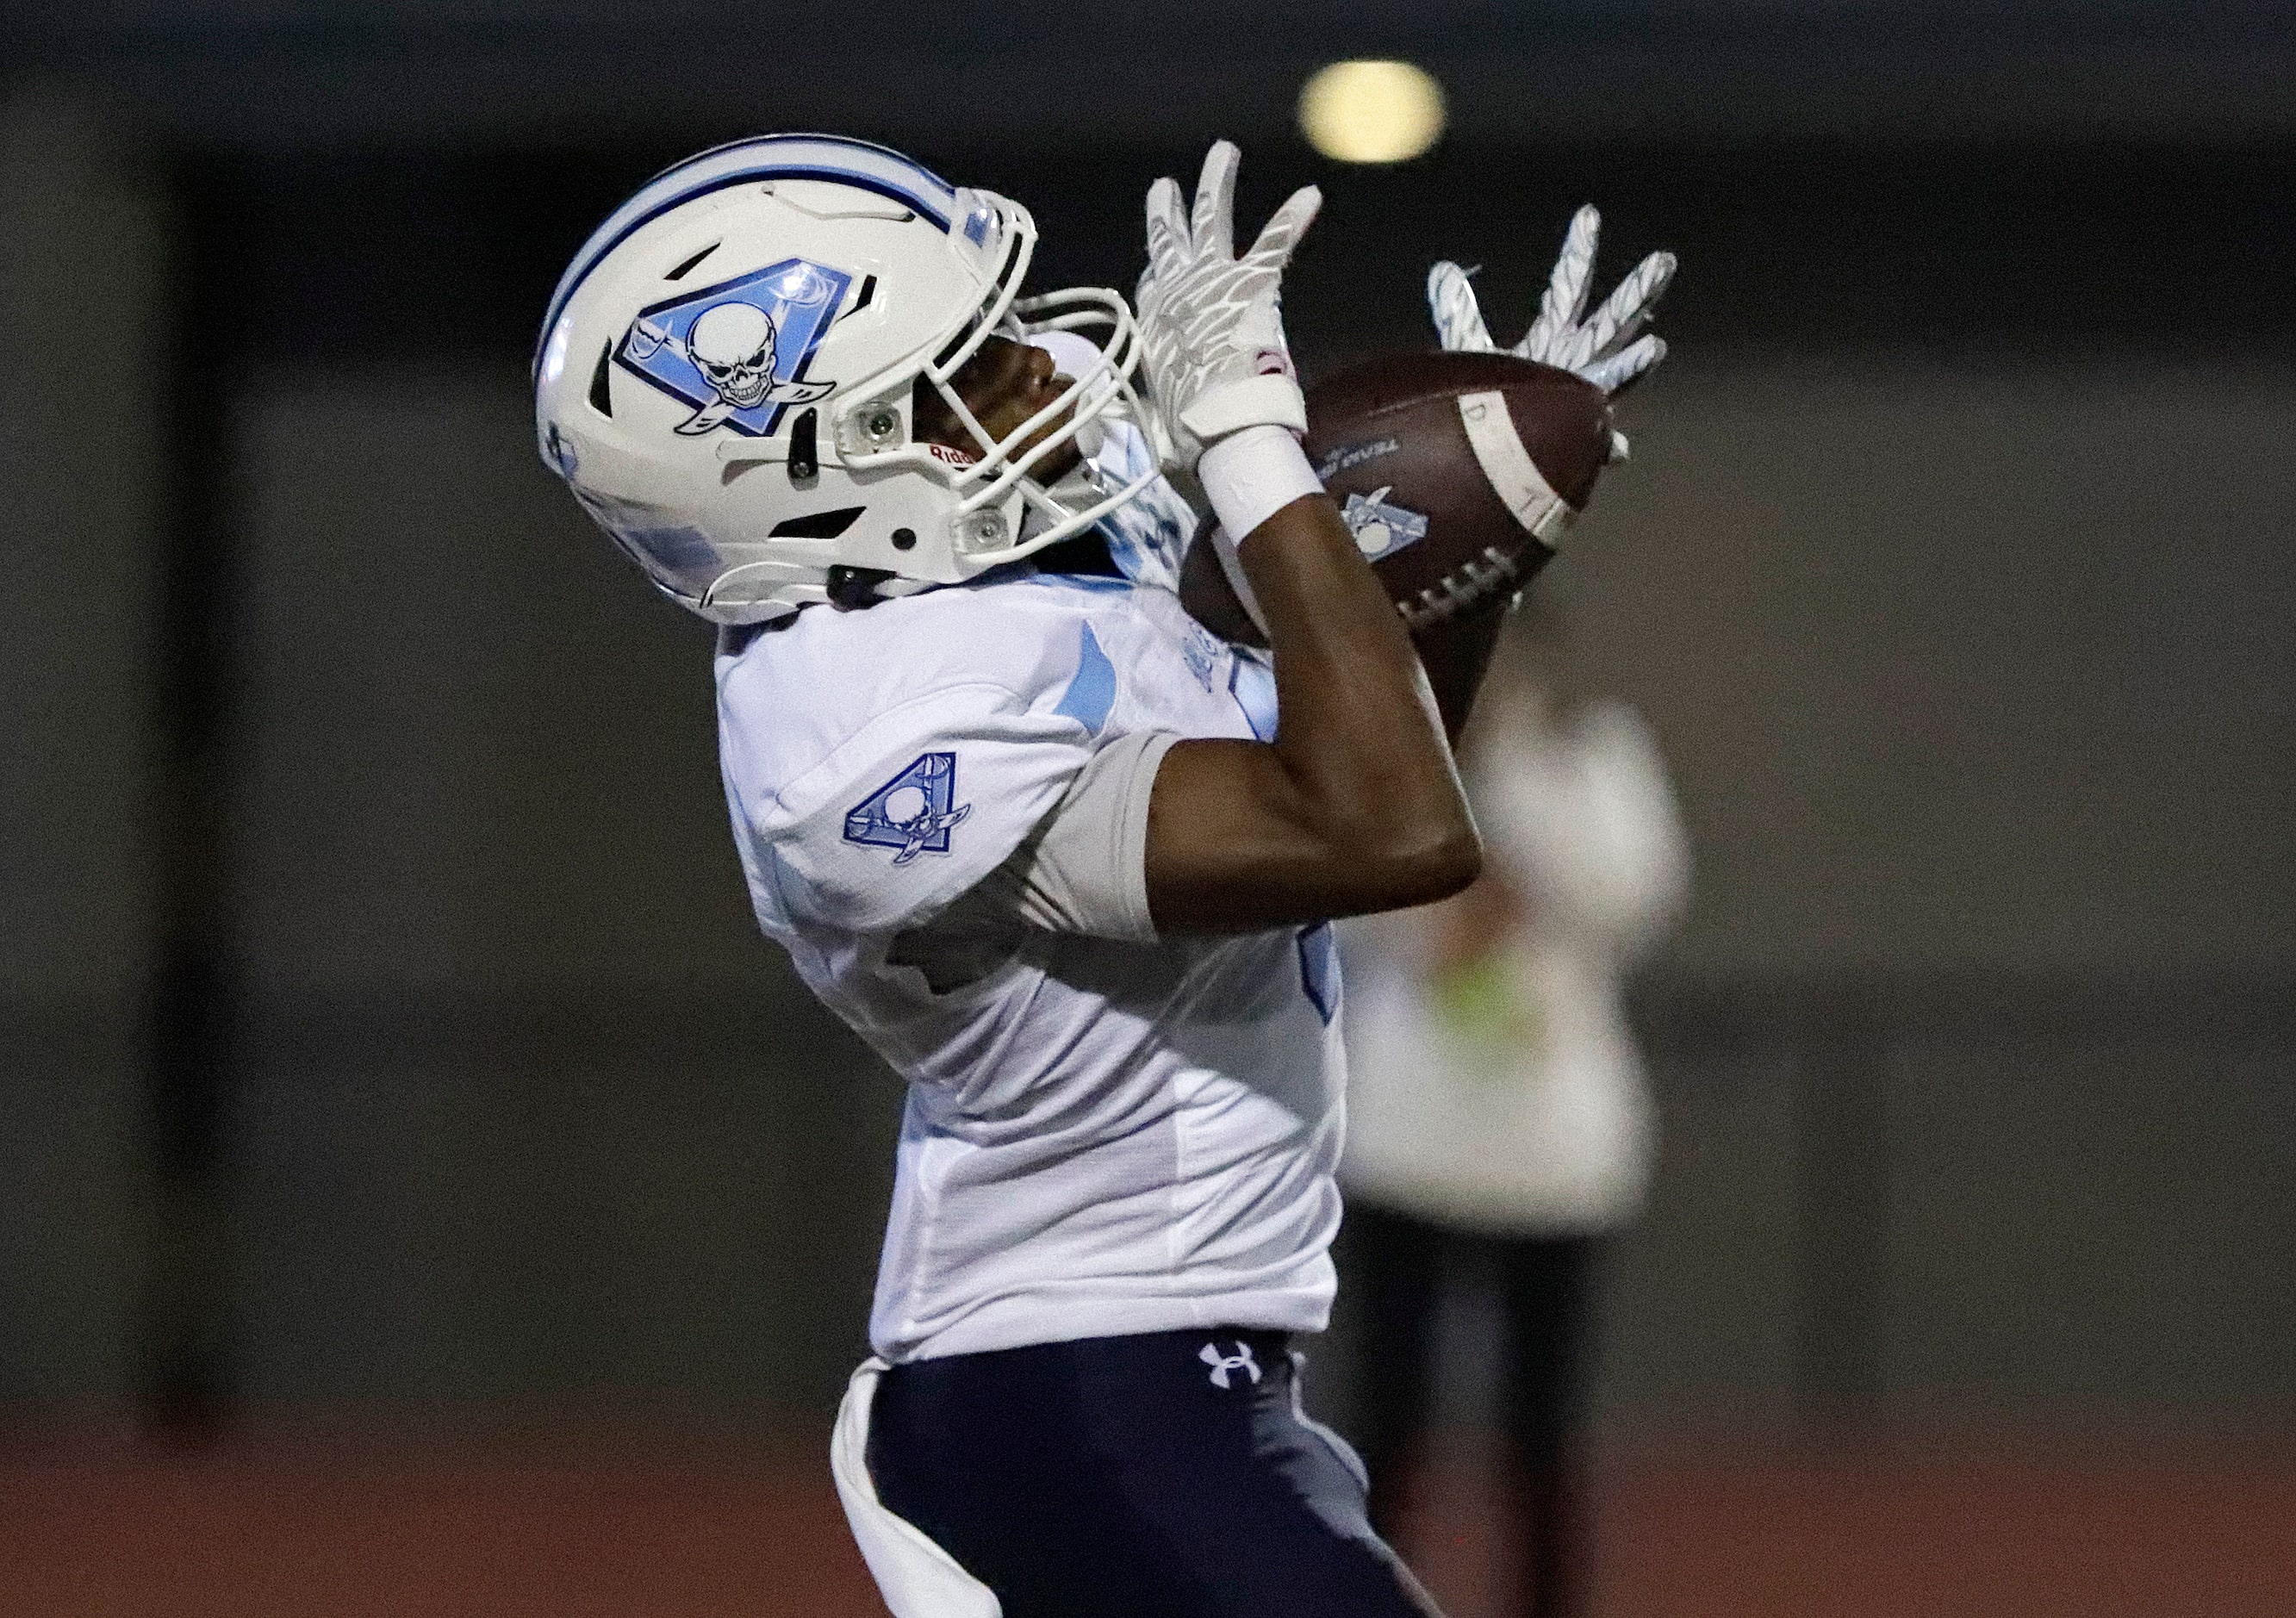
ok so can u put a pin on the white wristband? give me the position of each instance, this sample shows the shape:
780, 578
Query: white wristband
1249, 476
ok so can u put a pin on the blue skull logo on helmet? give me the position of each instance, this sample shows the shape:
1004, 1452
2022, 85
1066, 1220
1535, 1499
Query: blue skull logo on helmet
736, 352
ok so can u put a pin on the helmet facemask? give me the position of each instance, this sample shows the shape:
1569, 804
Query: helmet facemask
1002, 511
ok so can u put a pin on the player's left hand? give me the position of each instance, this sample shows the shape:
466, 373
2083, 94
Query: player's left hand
1604, 348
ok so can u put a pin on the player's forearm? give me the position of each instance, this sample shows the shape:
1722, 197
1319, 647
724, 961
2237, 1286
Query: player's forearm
1360, 740
1356, 806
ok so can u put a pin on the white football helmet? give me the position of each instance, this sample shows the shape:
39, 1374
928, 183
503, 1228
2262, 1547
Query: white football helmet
727, 370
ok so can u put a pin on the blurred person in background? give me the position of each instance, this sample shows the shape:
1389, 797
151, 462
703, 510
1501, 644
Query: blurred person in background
1500, 1129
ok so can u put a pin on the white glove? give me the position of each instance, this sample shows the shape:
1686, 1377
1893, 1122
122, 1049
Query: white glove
1211, 334
1602, 349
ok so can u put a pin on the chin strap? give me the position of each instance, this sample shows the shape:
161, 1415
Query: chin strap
852, 589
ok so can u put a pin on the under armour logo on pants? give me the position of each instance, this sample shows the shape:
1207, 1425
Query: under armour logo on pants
1224, 1364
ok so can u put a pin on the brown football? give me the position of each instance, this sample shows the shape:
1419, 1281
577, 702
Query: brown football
1444, 465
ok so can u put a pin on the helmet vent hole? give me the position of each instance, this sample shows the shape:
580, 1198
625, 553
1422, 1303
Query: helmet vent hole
819, 524
905, 539
601, 397
679, 273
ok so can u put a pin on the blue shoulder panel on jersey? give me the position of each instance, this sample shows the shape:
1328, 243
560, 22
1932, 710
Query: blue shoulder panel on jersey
809, 157
1252, 684
1319, 969
1100, 583
1092, 692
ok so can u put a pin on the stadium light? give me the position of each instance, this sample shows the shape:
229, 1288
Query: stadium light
1372, 112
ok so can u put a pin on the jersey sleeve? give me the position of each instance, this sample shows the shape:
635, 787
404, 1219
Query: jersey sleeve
914, 807
1087, 871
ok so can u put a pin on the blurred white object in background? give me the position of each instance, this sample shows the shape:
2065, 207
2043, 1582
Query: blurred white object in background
1493, 1084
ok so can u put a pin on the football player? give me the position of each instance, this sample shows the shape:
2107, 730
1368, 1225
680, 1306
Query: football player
1034, 833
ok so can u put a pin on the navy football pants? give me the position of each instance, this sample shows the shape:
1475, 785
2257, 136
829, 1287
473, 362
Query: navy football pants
1166, 1476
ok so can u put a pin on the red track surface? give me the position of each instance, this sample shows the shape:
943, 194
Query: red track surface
1951, 1532
305, 1529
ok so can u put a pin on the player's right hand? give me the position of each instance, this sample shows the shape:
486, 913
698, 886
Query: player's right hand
1211, 330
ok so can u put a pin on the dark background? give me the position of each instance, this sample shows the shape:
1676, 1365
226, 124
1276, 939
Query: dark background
383, 1036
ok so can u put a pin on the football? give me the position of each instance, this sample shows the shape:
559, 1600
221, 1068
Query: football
1456, 472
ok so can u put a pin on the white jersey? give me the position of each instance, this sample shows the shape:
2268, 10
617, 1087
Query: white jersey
1101, 1137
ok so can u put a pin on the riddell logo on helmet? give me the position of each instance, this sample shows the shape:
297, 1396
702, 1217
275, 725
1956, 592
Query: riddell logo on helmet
953, 457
